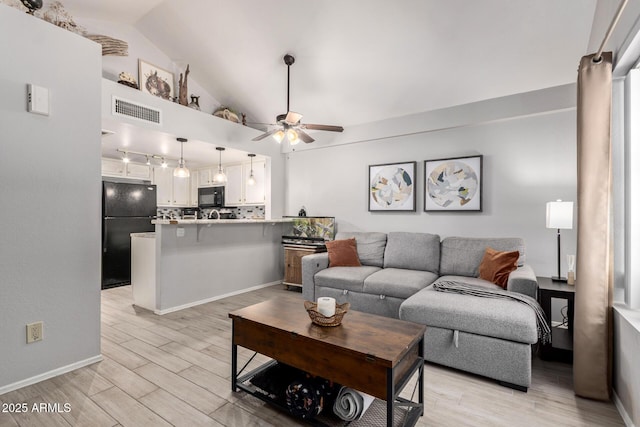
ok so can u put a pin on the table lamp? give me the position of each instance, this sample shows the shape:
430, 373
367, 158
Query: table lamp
559, 216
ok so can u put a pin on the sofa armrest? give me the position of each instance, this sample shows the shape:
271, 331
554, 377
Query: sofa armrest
311, 264
523, 280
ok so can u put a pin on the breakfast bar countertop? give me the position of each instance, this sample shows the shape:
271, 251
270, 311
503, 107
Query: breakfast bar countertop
218, 221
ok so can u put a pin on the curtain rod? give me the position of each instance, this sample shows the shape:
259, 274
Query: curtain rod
598, 56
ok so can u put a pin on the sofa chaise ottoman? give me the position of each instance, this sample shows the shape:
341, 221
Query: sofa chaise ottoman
485, 336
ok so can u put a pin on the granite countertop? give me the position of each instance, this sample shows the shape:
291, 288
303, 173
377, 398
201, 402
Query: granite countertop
218, 221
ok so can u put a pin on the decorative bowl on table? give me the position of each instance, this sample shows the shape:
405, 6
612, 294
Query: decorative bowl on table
322, 320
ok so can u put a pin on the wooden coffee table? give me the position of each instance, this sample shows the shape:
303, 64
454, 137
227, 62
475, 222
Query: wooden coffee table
373, 354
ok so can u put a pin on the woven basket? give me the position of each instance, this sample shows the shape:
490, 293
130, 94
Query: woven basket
226, 114
322, 320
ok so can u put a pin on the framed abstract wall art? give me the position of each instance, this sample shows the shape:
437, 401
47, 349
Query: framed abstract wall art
392, 187
155, 80
453, 184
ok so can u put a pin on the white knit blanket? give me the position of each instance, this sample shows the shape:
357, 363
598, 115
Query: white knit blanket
544, 332
351, 404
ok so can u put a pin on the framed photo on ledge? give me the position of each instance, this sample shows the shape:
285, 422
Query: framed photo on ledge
155, 80
453, 184
392, 187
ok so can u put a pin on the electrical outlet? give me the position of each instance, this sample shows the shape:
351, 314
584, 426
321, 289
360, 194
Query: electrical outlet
34, 332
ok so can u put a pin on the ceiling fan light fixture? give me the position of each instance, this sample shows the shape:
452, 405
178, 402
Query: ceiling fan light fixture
278, 136
181, 171
292, 136
292, 120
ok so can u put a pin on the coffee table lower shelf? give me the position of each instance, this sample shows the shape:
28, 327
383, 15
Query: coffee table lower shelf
406, 413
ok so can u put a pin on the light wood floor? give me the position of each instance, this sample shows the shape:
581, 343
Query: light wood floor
174, 370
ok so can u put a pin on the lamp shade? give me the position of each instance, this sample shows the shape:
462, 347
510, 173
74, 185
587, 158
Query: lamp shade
560, 214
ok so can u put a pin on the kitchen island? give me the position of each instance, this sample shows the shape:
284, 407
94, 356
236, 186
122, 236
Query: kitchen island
200, 260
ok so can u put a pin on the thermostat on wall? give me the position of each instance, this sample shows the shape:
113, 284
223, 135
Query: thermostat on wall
37, 99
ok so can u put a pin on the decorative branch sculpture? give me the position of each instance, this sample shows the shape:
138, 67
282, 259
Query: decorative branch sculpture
182, 86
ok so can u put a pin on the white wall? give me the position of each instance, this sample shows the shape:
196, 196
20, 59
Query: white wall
528, 161
626, 362
50, 192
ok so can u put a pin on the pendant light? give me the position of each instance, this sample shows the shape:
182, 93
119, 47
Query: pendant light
252, 179
125, 158
164, 163
181, 171
220, 177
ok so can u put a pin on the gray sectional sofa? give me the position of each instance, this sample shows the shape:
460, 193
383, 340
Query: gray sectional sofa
485, 336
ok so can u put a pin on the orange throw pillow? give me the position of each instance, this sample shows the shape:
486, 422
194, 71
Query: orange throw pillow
343, 253
496, 266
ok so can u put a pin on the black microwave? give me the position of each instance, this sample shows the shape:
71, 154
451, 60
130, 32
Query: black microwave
211, 197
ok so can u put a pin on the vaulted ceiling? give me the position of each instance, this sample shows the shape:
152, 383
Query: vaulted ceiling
360, 61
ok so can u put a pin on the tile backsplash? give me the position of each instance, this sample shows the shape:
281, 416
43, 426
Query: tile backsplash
243, 212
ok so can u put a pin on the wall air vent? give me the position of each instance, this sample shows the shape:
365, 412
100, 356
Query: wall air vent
133, 110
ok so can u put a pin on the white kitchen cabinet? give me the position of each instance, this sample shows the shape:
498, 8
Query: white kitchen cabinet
233, 194
163, 179
138, 171
113, 167
205, 177
237, 190
118, 168
193, 189
254, 194
181, 191
171, 190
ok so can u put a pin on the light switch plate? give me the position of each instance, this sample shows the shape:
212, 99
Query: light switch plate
37, 99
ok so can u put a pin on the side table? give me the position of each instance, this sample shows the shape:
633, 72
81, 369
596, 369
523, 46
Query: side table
561, 347
293, 254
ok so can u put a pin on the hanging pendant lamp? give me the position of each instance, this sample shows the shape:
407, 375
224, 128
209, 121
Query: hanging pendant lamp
181, 171
252, 179
220, 177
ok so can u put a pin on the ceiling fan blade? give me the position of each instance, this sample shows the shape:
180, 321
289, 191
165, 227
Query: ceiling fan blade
292, 118
263, 124
304, 136
323, 127
264, 135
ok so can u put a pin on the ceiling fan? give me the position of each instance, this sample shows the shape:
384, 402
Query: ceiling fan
289, 124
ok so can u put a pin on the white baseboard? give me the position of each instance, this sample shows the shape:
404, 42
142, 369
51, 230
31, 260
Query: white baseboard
623, 413
217, 297
54, 373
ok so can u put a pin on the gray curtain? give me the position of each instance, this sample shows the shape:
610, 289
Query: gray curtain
592, 340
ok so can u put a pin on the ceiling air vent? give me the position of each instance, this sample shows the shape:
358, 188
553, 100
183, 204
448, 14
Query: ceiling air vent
132, 110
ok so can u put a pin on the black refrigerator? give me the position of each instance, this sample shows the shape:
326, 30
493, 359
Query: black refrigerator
126, 208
